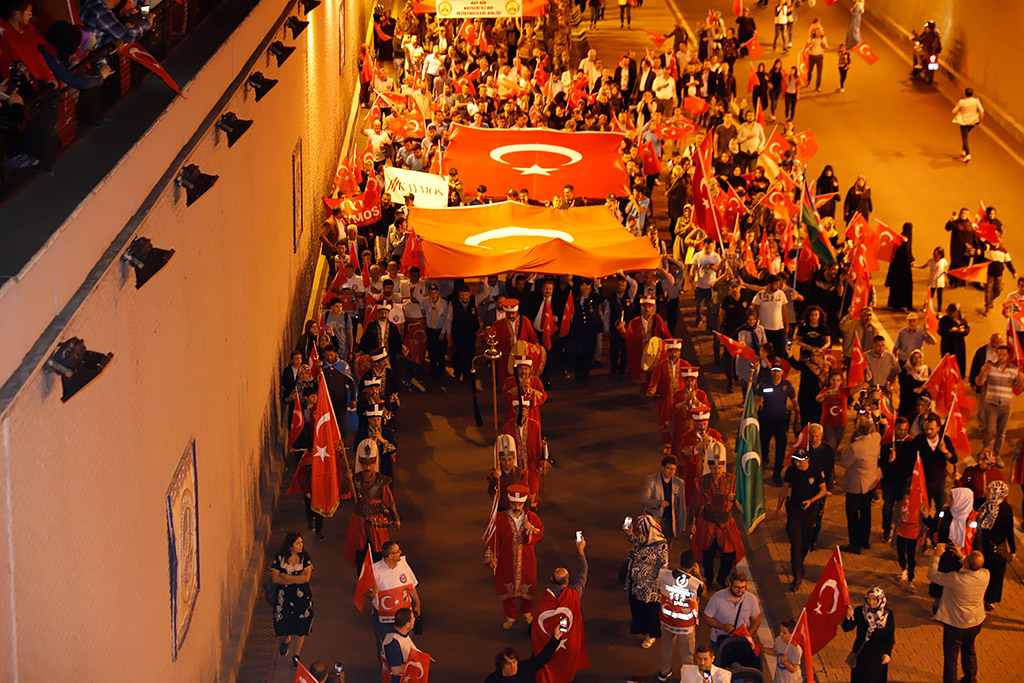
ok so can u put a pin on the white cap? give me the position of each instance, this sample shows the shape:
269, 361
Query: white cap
689, 371
673, 344
376, 411
523, 360
647, 300
380, 355
372, 382
522, 402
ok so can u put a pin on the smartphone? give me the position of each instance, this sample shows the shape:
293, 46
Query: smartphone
626, 522
563, 624
579, 536
144, 9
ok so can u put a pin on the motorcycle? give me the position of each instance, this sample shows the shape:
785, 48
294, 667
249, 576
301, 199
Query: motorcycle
927, 46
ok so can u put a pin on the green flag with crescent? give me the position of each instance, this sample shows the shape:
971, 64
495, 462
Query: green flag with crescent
749, 473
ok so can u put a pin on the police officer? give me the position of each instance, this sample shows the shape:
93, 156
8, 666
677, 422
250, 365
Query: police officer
802, 490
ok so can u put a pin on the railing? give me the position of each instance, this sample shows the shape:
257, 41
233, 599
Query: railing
78, 111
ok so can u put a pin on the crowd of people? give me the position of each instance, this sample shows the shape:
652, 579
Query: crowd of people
779, 270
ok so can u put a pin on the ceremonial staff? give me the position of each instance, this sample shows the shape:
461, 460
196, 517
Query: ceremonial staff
492, 354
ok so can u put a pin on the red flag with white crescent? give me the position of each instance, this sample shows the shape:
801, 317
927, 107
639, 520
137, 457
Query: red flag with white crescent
547, 324
956, 428
918, 490
806, 145
976, 273
803, 66
776, 146
695, 105
823, 199
801, 442
736, 348
649, 157
298, 422
802, 638
571, 654
888, 240
865, 52
302, 674
931, 318
325, 493
365, 582
567, 315
858, 363
139, 54
826, 605
412, 125
417, 667
754, 48
543, 161
806, 263
657, 38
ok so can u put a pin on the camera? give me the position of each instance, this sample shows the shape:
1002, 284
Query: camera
145, 10
338, 669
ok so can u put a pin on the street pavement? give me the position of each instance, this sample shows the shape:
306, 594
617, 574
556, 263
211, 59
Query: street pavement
604, 440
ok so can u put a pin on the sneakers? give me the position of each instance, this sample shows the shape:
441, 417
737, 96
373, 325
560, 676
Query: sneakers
647, 643
20, 161
842, 90
902, 576
967, 158
886, 535
509, 621
664, 676
911, 588
529, 618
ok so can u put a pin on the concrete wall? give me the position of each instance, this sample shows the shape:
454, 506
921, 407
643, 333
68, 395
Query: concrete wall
982, 41
197, 353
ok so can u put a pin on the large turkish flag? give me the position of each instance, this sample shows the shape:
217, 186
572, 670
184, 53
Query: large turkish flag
571, 654
827, 603
543, 161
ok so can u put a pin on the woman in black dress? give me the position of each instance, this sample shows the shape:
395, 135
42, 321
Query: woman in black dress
774, 86
858, 200
995, 524
760, 92
953, 330
827, 184
900, 278
293, 610
876, 635
961, 243
813, 378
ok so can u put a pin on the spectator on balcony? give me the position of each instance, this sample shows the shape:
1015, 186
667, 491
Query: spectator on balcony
66, 39
99, 16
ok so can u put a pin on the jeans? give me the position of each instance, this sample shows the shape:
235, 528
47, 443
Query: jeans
780, 30
995, 427
964, 132
703, 297
959, 641
891, 500
906, 552
815, 61
842, 79
625, 12
790, 108
858, 518
595, 13
777, 338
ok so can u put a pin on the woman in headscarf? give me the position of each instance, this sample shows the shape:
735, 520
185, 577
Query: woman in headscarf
955, 523
900, 277
953, 331
876, 635
962, 245
647, 558
912, 376
995, 526
827, 184
684, 226
858, 200
678, 193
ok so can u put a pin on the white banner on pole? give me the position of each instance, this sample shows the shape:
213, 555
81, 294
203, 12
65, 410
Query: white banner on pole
429, 190
472, 9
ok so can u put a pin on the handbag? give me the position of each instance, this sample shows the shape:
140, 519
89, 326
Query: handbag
1003, 550
851, 659
270, 590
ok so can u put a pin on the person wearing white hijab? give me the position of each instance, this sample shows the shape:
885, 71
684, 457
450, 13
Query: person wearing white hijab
997, 542
876, 636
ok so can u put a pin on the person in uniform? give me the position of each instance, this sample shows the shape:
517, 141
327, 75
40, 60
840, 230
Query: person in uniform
805, 487
374, 426
526, 385
465, 324
638, 333
381, 333
507, 473
693, 447
584, 327
666, 380
513, 558
508, 331
374, 510
390, 384
525, 431
686, 398
715, 531
679, 590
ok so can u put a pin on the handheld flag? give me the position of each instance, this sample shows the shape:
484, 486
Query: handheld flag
802, 637
737, 349
827, 603
139, 54
298, 422
974, 273
326, 491
820, 243
865, 52
749, 472
567, 315
858, 364
366, 581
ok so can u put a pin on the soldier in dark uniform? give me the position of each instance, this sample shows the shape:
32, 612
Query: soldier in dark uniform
620, 307
465, 324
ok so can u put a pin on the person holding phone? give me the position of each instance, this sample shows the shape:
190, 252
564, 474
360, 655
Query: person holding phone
646, 560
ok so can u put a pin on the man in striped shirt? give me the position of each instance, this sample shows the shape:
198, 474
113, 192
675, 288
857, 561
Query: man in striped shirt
1000, 380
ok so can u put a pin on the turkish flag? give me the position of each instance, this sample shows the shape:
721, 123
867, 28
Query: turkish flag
736, 348
750, 266
409, 126
888, 240
704, 212
732, 207
858, 363
864, 260
806, 263
918, 490
657, 38
298, 422
302, 674
366, 581
649, 157
823, 199
695, 105
802, 638
801, 442
776, 146
976, 273
779, 202
737, 7
362, 209
945, 382
541, 160
417, 667
806, 145
858, 230
865, 52
751, 79
345, 180
571, 654
412, 256
803, 66
547, 324
764, 257
567, 315
754, 48
139, 54
325, 493
827, 603
759, 113
679, 130
482, 42
931, 318
956, 428
743, 632
468, 31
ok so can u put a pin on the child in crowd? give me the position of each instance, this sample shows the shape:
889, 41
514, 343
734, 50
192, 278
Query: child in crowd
788, 655
907, 536
937, 267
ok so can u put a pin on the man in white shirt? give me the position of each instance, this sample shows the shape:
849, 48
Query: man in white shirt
378, 139
588, 65
432, 65
704, 270
664, 87
773, 314
438, 314
751, 140
395, 588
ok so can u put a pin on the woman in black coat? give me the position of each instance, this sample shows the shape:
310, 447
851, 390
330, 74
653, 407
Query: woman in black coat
953, 330
900, 278
858, 200
827, 184
995, 525
961, 243
876, 635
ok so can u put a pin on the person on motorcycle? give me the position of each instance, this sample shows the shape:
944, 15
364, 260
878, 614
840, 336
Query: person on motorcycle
931, 43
